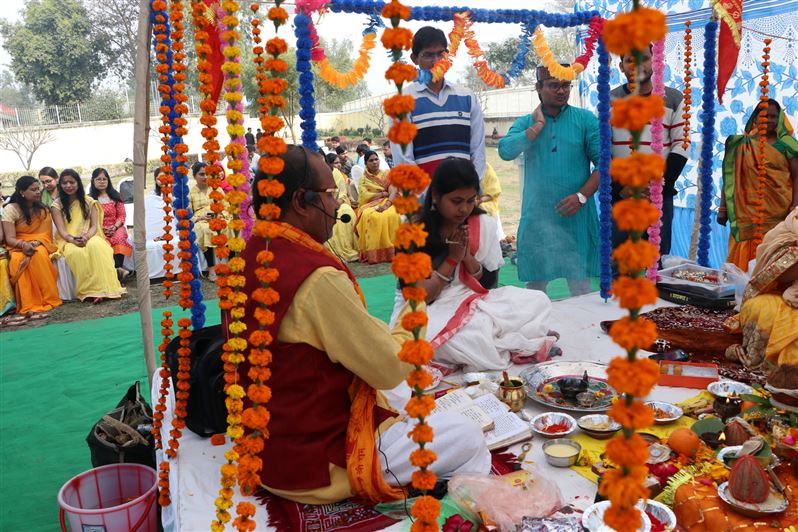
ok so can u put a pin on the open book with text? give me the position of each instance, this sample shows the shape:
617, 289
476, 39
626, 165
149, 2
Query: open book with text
501, 427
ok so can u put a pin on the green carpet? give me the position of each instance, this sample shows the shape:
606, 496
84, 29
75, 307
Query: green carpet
57, 381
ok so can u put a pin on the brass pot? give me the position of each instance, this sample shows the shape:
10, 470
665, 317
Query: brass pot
514, 395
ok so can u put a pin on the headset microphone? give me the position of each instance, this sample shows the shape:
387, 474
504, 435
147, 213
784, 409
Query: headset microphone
345, 218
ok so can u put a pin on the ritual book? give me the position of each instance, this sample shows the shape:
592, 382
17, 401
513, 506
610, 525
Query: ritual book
501, 427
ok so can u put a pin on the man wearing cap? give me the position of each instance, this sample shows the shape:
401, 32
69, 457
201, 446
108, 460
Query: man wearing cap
558, 235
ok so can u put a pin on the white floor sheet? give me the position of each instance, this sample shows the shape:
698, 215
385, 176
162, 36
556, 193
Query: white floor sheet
194, 475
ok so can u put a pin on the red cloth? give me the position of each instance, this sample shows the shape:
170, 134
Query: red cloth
114, 213
728, 49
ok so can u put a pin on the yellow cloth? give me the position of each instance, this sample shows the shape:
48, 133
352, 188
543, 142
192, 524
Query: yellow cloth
93, 264
327, 314
35, 287
343, 242
592, 449
769, 323
6, 290
492, 188
200, 203
375, 230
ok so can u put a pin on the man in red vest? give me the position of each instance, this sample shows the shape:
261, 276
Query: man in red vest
332, 435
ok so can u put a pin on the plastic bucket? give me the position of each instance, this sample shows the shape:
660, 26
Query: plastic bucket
111, 498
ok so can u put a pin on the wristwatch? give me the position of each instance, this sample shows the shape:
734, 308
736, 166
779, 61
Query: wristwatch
581, 197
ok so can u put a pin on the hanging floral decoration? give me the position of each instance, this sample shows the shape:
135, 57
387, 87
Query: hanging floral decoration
605, 180
687, 97
707, 141
460, 29
568, 73
655, 188
347, 79
632, 377
488, 76
307, 101
762, 133
410, 265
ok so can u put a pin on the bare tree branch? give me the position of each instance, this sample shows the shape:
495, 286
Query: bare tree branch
25, 142
376, 115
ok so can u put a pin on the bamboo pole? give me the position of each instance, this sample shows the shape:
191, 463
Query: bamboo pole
141, 131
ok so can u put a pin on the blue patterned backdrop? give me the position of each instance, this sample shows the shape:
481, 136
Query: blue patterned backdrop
761, 18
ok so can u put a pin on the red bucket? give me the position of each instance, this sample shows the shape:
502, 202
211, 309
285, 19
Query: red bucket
111, 498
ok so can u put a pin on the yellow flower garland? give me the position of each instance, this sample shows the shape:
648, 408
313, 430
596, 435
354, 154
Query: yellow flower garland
461, 28
343, 80
558, 71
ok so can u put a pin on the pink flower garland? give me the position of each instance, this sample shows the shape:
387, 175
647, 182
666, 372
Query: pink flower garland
246, 214
309, 7
655, 189
594, 31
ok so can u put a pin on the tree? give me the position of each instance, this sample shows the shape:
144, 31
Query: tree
376, 116
25, 142
11, 93
116, 23
53, 51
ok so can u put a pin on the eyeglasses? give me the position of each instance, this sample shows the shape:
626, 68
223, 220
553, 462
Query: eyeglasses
332, 191
432, 55
558, 86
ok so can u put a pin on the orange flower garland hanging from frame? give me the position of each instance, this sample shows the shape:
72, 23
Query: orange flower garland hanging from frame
688, 94
629, 376
411, 265
762, 130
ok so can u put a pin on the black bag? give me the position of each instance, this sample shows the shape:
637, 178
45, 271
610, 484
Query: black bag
125, 433
206, 413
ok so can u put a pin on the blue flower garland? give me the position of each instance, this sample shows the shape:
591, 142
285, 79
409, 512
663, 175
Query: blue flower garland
707, 141
307, 103
520, 60
605, 181
180, 188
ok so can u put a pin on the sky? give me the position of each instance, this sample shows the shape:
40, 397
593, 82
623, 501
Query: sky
343, 26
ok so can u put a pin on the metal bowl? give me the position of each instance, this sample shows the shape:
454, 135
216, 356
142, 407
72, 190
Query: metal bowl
562, 461
541, 421
728, 455
661, 513
776, 503
593, 519
591, 420
728, 388
673, 412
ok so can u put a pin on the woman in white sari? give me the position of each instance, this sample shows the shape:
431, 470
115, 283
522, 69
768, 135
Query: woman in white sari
472, 323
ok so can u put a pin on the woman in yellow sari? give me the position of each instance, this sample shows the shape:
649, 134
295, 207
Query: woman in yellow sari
377, 219
343, 242
77, 218
769, 314
739, 200
6, 289
28, 231
199, 199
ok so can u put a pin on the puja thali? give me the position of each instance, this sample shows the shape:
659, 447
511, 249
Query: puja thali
541, 383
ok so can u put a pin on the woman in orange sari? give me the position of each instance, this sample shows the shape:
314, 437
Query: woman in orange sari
739, 200
377, 219
28, 230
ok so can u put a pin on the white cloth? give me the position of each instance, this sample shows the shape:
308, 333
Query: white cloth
508, 320
66, 281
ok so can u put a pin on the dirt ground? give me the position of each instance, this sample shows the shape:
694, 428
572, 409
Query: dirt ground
510, 205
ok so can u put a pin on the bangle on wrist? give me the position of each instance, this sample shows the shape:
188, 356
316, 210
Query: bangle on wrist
442, 277
449, 260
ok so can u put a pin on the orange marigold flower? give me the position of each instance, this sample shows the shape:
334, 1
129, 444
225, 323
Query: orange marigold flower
422, 458
406, 204
396, 10
637, 170
630, 334
635, 214
627, 452
218, 439
634, 31
421, 433
622, 518
625, 489
419, 378
424, 480
414, 293
416, 352
633, 293
409, 177
269, 211
271, 165
278, 14
411, 320
635, 378
401, 38
402, 132
400, 73
634, 416
634, 257
412, 267
420, 406
398, 105
270, 187
276, 46
636, 112
272, 145
426, 509
410, 235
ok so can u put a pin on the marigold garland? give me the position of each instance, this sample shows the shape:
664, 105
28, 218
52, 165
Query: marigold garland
567, 73
632, 377
361, 65
461, 28
411, 266
687, 97
762, 132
